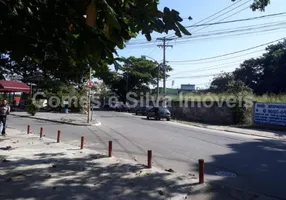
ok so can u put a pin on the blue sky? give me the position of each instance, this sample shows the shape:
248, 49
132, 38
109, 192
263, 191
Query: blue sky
189, 48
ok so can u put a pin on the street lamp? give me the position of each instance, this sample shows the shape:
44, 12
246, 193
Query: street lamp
158, 75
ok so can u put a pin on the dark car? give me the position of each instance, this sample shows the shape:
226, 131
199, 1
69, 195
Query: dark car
106, 107
143, 110
122, 108
159, 113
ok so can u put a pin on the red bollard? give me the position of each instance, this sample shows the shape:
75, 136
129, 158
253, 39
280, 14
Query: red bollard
41, 132
110, 149
201, 171
59, 137
82, 142
28, 129
149, 164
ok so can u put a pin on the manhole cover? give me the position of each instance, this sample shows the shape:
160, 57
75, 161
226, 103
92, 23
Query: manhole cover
226, 174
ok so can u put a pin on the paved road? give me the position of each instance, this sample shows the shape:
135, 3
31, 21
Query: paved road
259, 163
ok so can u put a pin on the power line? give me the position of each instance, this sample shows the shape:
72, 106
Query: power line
198, 76
226, 8
245, 31
217, 34
223, 55
238, 28
237, 20
262, 32
227, 13
212, 67
245, 8
216, 23
222, 59
224, 36
218, 12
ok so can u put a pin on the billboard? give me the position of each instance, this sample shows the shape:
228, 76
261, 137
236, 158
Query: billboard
188, 87
270, 113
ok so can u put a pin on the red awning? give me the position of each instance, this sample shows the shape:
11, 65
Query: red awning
13, 86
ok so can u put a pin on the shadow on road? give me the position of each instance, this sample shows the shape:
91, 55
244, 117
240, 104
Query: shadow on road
83, 178
259, 167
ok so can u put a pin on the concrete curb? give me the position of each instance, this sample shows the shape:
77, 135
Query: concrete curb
57, 121
264, 136
232, 131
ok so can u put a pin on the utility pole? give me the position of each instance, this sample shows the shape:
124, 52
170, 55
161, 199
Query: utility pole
89, 95
158, 79
164, 39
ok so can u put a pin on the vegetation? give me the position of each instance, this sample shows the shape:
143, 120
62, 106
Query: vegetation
259, 4
61, 38
32, 107
134, 75
263, 75
74, 96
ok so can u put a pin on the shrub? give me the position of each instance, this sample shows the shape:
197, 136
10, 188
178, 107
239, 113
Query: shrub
32, 109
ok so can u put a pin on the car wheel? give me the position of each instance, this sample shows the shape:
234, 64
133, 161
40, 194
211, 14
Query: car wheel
168, 119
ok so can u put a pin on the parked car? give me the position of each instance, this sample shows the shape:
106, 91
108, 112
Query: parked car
106, 107
122, 108
159, 113
143, 110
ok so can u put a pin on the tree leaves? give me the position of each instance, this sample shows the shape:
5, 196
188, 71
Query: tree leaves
133, 75
265, 74
111, 16
183, 29
91, 13
61, 39
259, 4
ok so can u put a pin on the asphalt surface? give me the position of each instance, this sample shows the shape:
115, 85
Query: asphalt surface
250, 163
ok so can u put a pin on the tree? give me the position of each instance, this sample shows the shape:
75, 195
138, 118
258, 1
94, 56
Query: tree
265, 74
134, 75
220, 82
61, 37
259, 4
250, 73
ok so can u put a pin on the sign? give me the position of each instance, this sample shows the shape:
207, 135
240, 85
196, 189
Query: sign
90, 84
270, 113
188, 87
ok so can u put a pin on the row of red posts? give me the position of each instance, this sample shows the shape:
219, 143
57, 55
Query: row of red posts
149, 153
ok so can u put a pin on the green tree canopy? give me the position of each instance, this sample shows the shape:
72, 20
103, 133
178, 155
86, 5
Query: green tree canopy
259, 4
61, 36
265, 74
134, 75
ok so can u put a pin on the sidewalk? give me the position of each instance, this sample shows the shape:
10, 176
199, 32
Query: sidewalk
273, 134
252, 131
33, 168
70, 118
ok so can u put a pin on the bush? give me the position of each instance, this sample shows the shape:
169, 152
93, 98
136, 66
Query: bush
32, 109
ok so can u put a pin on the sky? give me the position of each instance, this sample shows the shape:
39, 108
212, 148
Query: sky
201, 46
